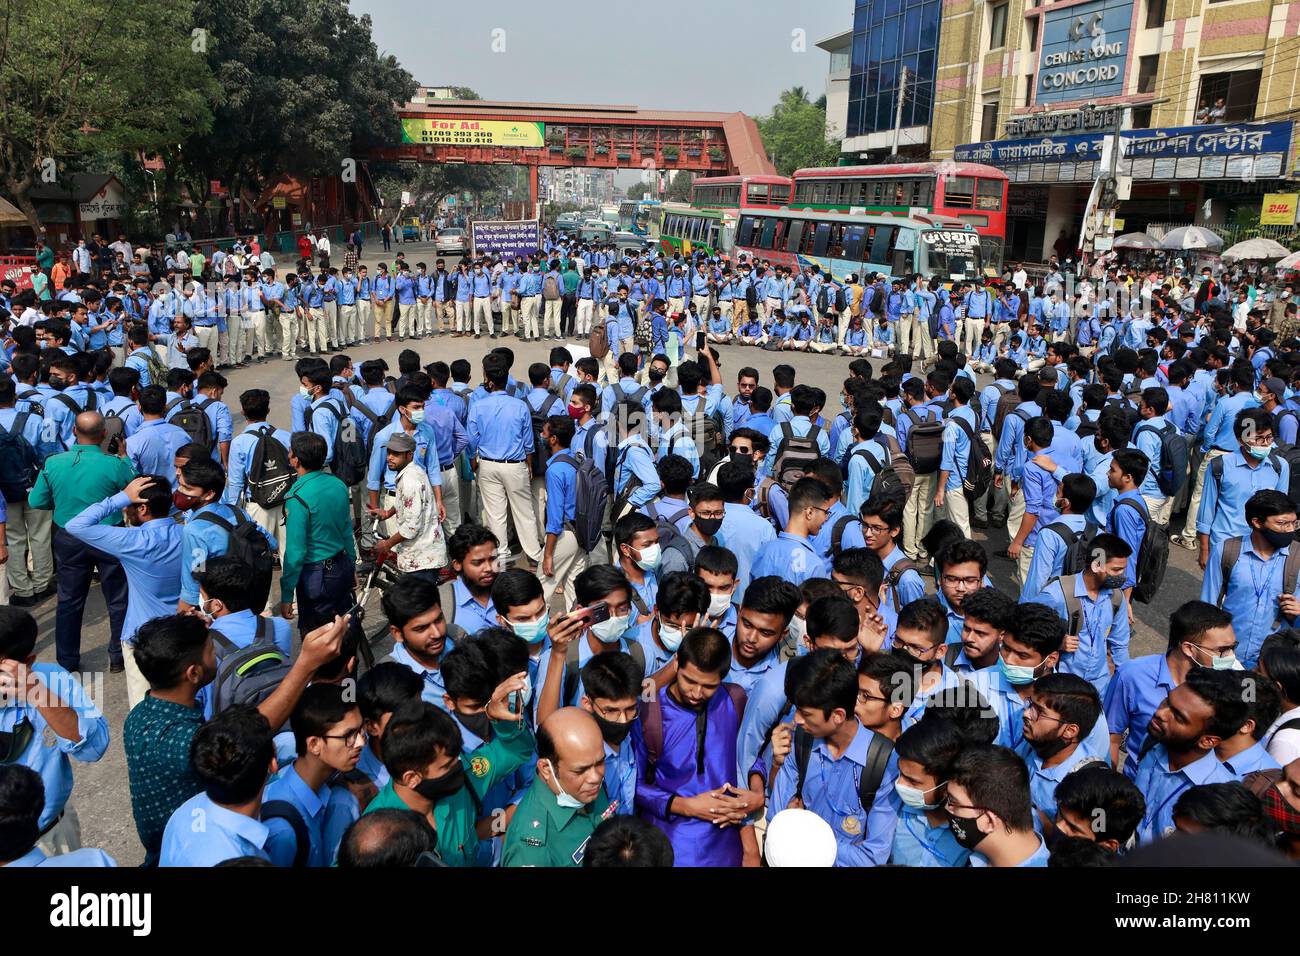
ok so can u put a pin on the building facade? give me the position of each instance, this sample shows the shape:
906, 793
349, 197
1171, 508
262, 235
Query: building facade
840, 48
1205, 94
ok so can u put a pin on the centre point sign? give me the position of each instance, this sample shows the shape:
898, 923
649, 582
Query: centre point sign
1084, 51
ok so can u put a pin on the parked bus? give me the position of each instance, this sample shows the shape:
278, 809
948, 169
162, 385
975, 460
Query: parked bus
687, 230
741, 192
641, 216
968, 192
845, 245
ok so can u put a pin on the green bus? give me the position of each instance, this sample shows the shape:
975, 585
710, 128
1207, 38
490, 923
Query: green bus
686, 231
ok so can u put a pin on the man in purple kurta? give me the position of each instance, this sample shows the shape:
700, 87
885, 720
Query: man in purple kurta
686, 741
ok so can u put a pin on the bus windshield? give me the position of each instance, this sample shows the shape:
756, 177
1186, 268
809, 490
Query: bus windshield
952, 254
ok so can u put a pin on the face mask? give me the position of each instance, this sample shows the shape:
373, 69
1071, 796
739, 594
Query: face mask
477, 724
649, 559
708, 526
965, 831
532, 631
1113, 582
614, 733
797, 628
304, 391
417, 416
1259, 454
657, 374
609, 632
914, 797
439, 788
670, 637
577, 411
182, 501
718, 604
1016, 674
561, 798
1278, 539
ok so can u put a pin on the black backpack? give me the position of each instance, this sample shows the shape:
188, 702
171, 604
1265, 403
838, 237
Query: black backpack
114, 432
270, 476
1287, 453
751, 297
841, 300
192, 419
837, 532
627, 406
707, 431
1175, 454
797, 454
539, 419
1153, 554
19, 462
350, 460
1077, 545
377, 422
91, 402
247, 545
286, 811
670, 539
879, 751
979, 463
248, 675
591, 496
893, 476
924, 443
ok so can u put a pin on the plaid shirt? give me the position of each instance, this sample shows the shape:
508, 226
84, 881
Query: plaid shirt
157, 736
350, 259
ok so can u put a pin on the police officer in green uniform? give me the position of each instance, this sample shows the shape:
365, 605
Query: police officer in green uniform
567, 800
431, 775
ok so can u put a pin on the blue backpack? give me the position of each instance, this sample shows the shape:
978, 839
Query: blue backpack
19, 462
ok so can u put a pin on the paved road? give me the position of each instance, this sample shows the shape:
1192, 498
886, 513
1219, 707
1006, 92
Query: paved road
101, 795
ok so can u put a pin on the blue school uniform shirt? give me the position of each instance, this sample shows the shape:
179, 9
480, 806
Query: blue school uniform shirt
916, 843
746, 533
1129, 522
1049, 555
1039, 488
955, 454
1223, 502
790, 557
1102, 628
1254, 584
315, 807
1162, 787
1136, 690
225, 835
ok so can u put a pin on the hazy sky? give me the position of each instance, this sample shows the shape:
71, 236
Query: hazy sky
717, 55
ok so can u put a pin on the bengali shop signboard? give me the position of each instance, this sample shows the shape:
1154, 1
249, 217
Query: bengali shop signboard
508, 239
456, 132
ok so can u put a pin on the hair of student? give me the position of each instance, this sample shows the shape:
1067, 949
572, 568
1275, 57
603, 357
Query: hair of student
468, 537
631, 525
385, 687
598, 582
408, 597
416, 733
861, 566
321, 707
808, 492
1268, 503
467, 673
1191, 620
1039, 628
925, 616
990, 606
707, 650
895, 675
1226, 808
934, 744
717, 560
227, 579
996, 780
829, 683
386, 839
834, 616
1132, 462
165, 647
681, 593
310, 450
1110, 802
231, 755
1279, 655
1222, 691
772, 595
613, 676
1074, 698
515, 587
963, 551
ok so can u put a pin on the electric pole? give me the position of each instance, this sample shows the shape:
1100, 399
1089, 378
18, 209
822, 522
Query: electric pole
898, 110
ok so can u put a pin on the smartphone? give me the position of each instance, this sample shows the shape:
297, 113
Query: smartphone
701, 341
595, 614
516, 705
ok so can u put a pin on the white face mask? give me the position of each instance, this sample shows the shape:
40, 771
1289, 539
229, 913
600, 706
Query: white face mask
797, 628
670, 636
561, 798
718, 604
609, 632
650, 557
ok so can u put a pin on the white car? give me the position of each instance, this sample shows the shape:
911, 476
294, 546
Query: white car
451, 240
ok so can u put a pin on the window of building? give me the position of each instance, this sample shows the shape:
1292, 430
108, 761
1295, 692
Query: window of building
1141, 117
997, 26
1031, 24
1227, 97
1147, 69
1029, 89
1156, 14
989, 121
839, 61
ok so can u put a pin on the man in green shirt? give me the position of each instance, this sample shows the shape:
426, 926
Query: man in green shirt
571, 278
430, 773
70, 483
320, 554
567, 799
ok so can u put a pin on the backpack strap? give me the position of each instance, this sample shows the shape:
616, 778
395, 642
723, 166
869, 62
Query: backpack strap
951, 654
216, 519
837, 532
677, 516
803, 744
286, 811
895, 574
1291, 570
652, 734
1216, 467
1062, 531
177, 401
874, 766
1231, 555
1073, 606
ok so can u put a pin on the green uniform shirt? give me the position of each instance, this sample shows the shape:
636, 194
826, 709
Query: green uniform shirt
543, 833
454, 818
318, 525
571, 280
73, 480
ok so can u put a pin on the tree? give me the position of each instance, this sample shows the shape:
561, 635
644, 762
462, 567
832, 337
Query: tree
80, 76
794, 135
679, 189
637, 191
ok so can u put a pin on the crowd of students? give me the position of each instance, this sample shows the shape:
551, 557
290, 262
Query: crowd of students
638, 619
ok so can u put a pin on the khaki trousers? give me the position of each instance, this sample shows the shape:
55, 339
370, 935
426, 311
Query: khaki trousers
586, 309
384, 319
957, 509
529, 322
332, 324
568, 562
450, 500
482, 312
289, 333
29, 536
1188, 535
348, 324
551, 322
362, 321
313, 333
973, 330
918, 515
257, 342
136, 685
505, 491
907, 334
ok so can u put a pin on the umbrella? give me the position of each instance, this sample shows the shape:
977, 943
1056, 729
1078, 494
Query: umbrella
1257, 248
1136, 240
1290, 262
1191, 237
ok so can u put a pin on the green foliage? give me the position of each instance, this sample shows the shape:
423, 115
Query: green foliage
80, 77
679, 190
638, 191
794, 134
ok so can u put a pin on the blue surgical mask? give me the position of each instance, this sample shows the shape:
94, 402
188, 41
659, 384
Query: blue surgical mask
532, 631
1260, 454
563, 799
417, 416
609, 632
1016, 674
914, 797
670, 637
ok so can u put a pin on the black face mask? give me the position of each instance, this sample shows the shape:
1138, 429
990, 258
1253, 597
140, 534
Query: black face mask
657, 375
614, 733
479, 724
965, 832
708, 526
743, 458
1278, 539
439, 788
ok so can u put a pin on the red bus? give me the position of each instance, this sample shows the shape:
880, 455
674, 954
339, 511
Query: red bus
741, 192
970, 192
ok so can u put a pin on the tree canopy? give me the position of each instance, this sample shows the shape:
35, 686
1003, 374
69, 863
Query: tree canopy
794, 134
